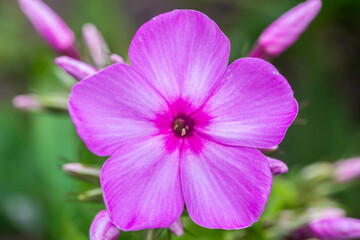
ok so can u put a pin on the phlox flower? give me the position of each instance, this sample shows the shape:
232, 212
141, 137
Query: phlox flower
182, 127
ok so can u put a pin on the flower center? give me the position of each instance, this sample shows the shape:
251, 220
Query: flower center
183, 126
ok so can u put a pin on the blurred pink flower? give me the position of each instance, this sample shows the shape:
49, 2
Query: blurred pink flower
336, 228
76, 68
347, 170
102, 229
50, 26
277, 167
182, 126
284, 32
96, 45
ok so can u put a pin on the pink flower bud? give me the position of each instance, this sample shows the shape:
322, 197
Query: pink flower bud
27, 102
102, 228
75, 68
117, 59
95, 44
177, 228
347, 170
32, 102
50, 26
336, 228
276, 166
284, 32
267, 150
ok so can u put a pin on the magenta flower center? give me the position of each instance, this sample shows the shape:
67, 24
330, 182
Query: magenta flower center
183, 126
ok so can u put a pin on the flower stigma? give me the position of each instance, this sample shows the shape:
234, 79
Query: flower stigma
183, 126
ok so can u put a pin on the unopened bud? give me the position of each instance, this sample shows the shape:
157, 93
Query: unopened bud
276, 166
86, 173
93, 195
50, 26
32, 102
177, 228
76, 68
268, 150
27, 102
284, 32
117, 59
95, 44
347, 170
102, 228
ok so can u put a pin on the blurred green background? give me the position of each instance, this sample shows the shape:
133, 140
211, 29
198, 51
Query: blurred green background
322, 67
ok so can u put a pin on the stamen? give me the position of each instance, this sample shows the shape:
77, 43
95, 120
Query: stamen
183, 131
183, 126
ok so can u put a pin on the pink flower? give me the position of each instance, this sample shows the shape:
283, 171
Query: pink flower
102, 228
50, 26
284, 32
96, 45
182, 126
347, 170
277, 167
336, 228
76, 68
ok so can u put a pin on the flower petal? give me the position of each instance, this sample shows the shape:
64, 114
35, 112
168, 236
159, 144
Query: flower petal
253, 106
183, 53
113, 107
102, 228
223, 186
141, 185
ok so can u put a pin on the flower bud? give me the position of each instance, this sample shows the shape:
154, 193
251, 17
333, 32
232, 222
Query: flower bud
347, 170
27, 102
268, 150
32, 102
93, 195
336, 228
76, 68
321, 171
95, 44
276, 166
78, 170
50, 26
284, 32
117, 59
177, 228
102, 228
